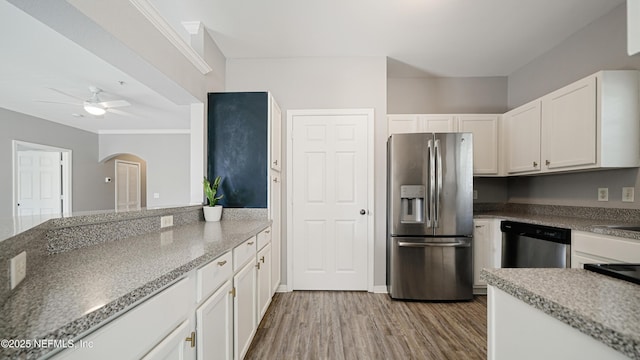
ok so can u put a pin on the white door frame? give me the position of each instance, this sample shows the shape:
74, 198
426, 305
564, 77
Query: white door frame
370, 185
67, 178
116, 181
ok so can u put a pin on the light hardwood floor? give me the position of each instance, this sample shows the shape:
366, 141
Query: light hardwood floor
361, 325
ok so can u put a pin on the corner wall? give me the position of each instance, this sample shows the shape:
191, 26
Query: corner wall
326, 83
88, 172
600, 45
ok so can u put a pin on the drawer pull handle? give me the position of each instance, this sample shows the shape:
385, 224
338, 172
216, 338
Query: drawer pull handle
258, 266
262, 259
267, 231
221, 263
250, 243
192, 339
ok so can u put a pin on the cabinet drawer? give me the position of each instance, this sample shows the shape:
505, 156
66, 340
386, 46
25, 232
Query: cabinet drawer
610, 247
212, 275
137, 331
243, 252
264, 237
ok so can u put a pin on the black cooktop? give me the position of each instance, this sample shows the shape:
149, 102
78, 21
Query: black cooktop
628, 272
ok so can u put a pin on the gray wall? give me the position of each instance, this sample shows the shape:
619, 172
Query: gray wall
168, 165
433, 95
601, 45
88, 172
325, 83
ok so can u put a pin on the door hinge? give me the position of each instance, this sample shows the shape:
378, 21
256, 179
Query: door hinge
233, 291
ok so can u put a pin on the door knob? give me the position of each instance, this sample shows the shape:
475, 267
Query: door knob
363, 211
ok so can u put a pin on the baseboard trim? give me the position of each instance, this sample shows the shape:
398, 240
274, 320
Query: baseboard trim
380, 289
282, 289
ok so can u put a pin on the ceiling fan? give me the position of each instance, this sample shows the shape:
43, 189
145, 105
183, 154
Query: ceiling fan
94, 105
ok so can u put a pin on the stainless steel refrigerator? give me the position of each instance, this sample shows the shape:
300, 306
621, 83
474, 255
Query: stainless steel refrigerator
430, 216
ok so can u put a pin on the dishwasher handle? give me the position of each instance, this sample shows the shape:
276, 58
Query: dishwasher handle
434, 244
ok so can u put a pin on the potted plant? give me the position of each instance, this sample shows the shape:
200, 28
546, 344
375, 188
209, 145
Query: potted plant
212, 212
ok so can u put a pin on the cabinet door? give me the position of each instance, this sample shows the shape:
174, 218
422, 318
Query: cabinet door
276, 134
437, 123
402, 124
264, 281
174, 346
523, 138
276, 229
481, 250
569, 126
215, 325
244, 309
485, 141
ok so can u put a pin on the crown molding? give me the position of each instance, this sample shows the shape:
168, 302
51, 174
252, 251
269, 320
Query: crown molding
145, 132
151, 13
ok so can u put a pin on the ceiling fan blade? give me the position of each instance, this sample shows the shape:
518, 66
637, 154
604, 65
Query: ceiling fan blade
114, 103
58, 102
118, 112
65, 94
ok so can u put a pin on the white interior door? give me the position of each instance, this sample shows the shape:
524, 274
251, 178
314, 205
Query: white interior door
127, 185
330, 190
39, 183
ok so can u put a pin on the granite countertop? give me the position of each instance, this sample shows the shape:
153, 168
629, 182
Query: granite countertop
602, 307
73, 292
573, 223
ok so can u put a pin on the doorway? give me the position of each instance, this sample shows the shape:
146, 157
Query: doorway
41, 179
127, 185
330, 192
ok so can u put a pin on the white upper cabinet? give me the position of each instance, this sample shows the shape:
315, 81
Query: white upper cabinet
484, 127
402, 124
485, 141
591, 124
441, 123
276, 134
522, 138
569, 126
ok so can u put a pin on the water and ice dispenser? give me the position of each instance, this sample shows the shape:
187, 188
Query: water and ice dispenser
412, 203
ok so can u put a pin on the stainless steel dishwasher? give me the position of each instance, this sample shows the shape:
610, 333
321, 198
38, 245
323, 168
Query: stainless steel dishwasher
535, 246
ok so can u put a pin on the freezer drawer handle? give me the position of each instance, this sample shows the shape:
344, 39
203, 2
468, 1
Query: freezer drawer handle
433, 244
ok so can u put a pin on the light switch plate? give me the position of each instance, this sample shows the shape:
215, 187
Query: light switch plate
603, 194
628, 194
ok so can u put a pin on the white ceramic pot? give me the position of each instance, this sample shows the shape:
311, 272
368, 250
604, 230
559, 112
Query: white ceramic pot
212, 213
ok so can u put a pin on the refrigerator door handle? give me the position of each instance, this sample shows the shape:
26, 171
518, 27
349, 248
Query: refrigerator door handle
432, 186
433, 244
438, 161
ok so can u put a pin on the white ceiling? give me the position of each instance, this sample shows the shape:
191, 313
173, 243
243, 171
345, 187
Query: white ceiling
36, 59
436, 37
421, 38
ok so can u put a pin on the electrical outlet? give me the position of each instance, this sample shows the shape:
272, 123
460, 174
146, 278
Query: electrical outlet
475, 194
627, 194
18, 266
603, 194
166, 221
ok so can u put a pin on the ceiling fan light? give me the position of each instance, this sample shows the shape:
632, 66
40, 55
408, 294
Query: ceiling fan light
94, 109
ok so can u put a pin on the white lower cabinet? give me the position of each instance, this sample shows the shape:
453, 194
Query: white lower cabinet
179, 345
591, 248
244, 309
517, 330
213, 313
487, 249
141, 329
264, 281
215, 325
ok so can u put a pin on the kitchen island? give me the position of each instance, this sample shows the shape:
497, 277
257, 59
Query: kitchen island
561, 313
72, 293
